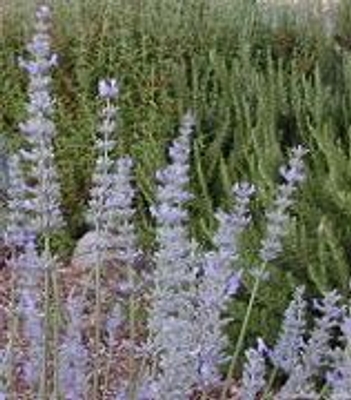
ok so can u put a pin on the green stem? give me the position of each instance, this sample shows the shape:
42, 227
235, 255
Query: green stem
242, 333
97, 289
270, 384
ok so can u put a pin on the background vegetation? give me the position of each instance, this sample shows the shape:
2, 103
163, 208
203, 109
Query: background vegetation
258, 85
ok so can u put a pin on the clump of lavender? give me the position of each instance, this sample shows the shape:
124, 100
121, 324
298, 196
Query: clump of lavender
287, 352
173, 308
317, 354
73, 355
219, 281
271, 245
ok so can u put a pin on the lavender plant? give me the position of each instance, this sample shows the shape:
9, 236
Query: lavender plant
190, 288
34, 205
271, 245
111, 211
100, 209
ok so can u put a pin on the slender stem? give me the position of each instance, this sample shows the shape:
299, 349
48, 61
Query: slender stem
13, 330
132, 333
242, 333
97, 289
55, 328
270, 384
46, 351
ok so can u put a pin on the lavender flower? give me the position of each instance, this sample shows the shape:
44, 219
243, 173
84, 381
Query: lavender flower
73, 355
277, 218
287, 352
43, 196
173, 310
253, 379
220, 280
317, 353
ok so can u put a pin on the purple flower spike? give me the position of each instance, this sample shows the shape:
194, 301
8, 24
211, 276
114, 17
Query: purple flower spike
173, 310
277, 217
220, 281
43, 193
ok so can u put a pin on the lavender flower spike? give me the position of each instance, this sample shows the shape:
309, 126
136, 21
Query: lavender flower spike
100, 211
173, 312
43, 196
220, 280
277, 217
